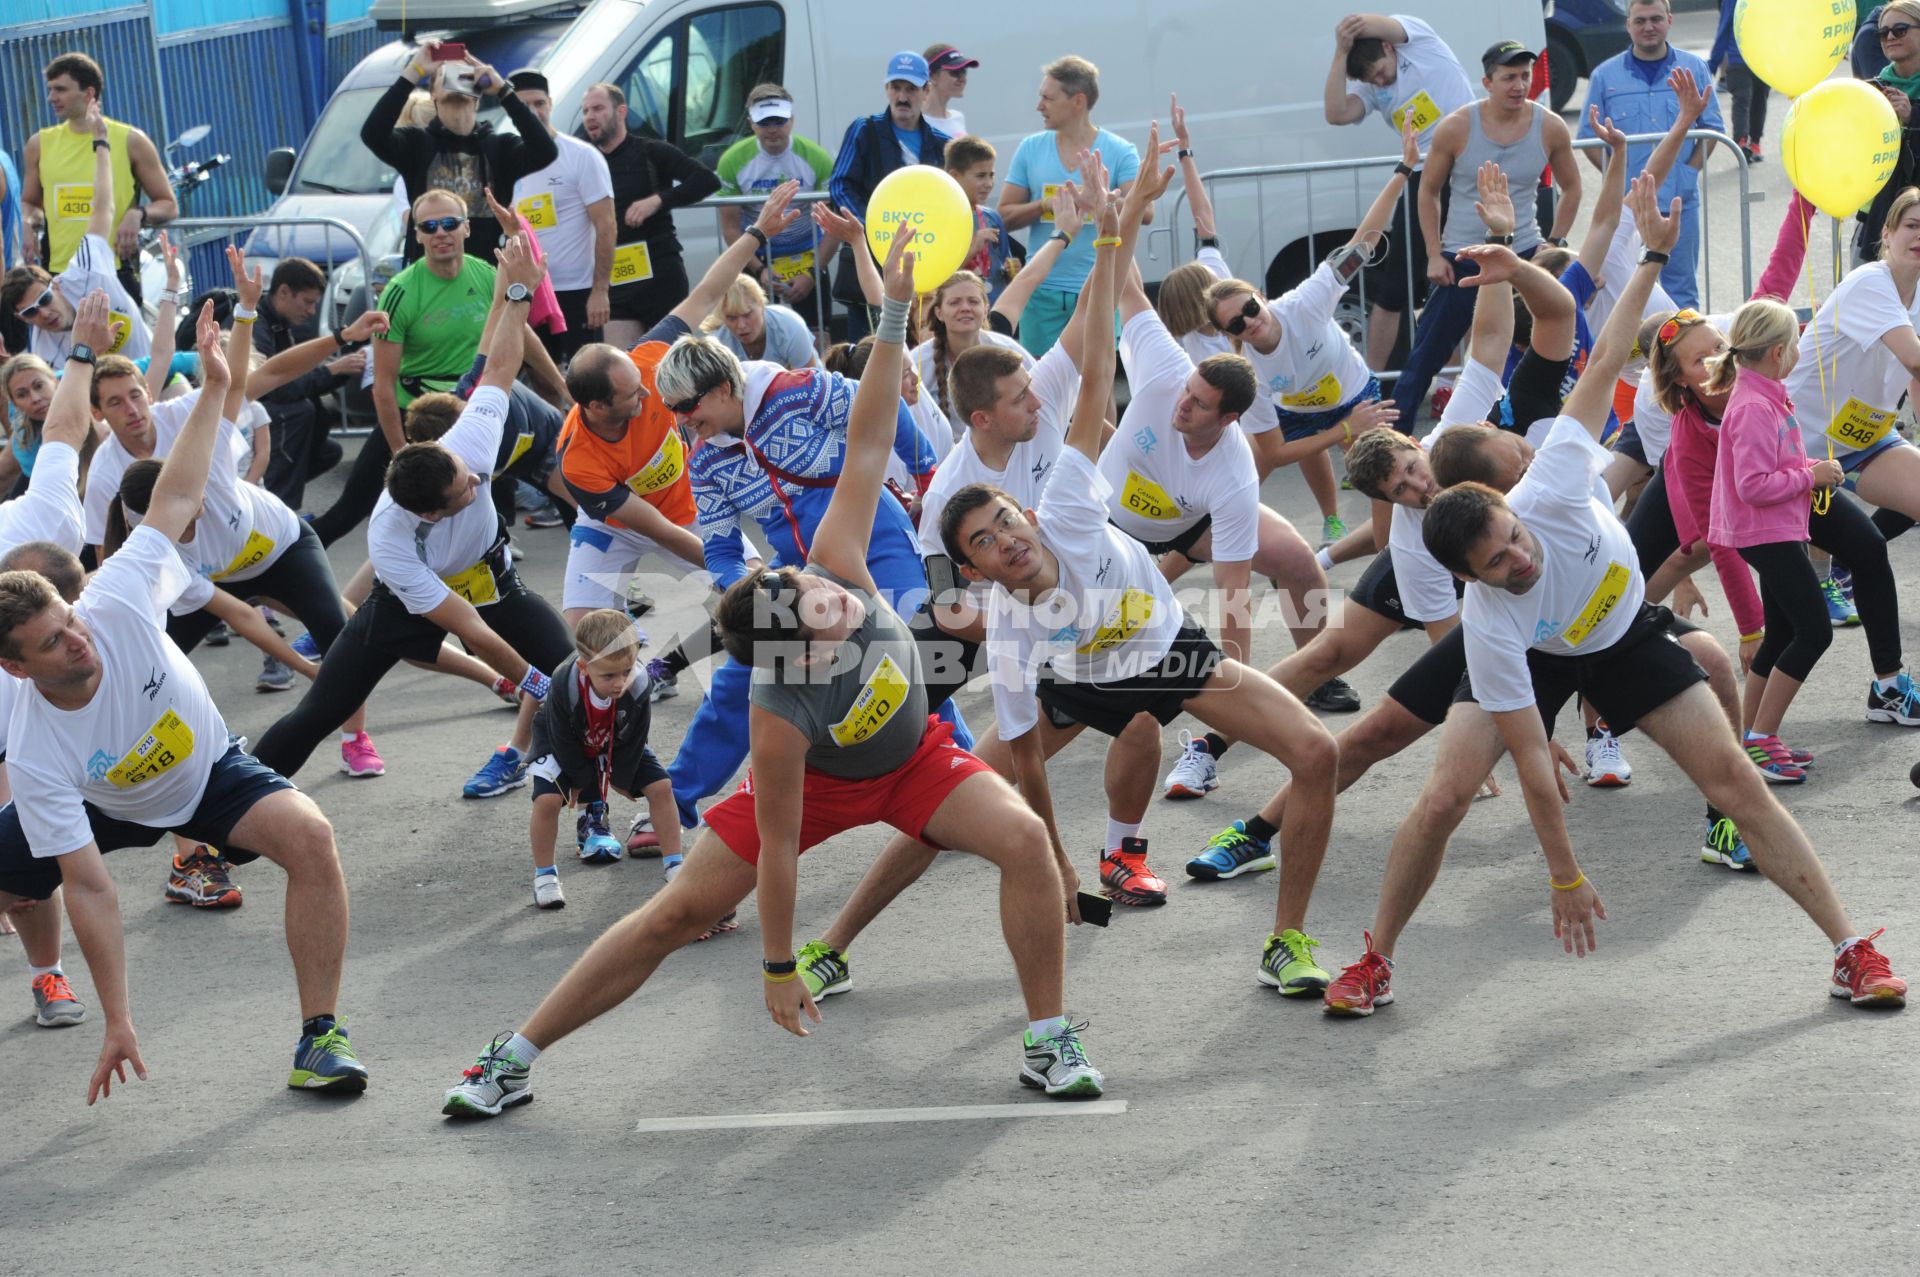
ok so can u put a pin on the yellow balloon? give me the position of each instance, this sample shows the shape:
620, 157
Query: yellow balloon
932, 203
1839, 145
1794, 44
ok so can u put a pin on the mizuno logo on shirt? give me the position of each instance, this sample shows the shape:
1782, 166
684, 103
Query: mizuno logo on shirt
1593, 549
155, 681
1106, 566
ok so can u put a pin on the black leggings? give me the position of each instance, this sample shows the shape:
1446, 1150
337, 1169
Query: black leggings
1847, 533
1798, 632
381, 635
300, 581
364, 484
1651, 526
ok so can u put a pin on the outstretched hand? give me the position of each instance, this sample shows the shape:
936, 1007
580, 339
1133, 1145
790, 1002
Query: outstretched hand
369, 324
1180, 133
1495, 205
93, 322
1497, 263
213, 355
247, 285
119, 1050
1658, 231
1605, 130
898, 268
838, 224
775, 216
1693, 101
1409, 141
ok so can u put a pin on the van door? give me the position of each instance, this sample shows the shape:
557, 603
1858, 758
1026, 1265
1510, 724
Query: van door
688, 84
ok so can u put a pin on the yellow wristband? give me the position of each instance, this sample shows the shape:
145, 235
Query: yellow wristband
1566, 886
1107, 241
1754, 637
1347, 431
779, 979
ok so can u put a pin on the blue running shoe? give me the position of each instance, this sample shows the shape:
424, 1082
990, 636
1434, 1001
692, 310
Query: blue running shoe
1725, 846
1230, 853
598, 846
1840, 608
1897, 704
507, 769
1843, 577
325, 1062
307, 647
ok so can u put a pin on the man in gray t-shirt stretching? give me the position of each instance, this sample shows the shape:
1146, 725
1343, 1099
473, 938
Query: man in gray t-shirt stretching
841, 739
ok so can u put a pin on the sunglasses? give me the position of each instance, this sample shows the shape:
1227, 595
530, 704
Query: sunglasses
434, 225
1238, 324
33, 308
1895, 31
685, 407
1682, 319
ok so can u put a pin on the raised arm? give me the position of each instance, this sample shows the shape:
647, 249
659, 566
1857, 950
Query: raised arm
1550, 304
1612, 197
847, 228
70, 416
774, 218
1340, 106
509, 321
247, 287
100, 213
1198, 200
165, 320
1066, 217
1693, 104
1096, 346
1380, 212
297, 361
1592, 395
183, 475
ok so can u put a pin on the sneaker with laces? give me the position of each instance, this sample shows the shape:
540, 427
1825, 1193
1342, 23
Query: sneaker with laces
1862, 975
494, 1083
506, 769
202, 880
545, 517
598, 846
1842, 576
1897, 704
642, 842
823, 970
1363, 986
1332, 528
547, 893
1335, 696
1725, 846
639, 602
1775, 763
54, 1006
1230, 853
359, 759
219, 636
1840, 608
1196, 774
1125, 878
305, 646
1287, 964
662, 683
275, 676
1059, 1066
1607, 766
325, 1062
1437, 405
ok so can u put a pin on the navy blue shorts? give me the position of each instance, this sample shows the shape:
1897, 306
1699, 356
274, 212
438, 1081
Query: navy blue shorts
1304, 425
237, 782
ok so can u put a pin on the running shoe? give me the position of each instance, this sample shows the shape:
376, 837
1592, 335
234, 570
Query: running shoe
1898, 704
1332, 528
663, 683
639, 602
1058, 1065
731, 922
1287, 964
202, 880
54, 1005
823, 970
546, 517
547, 893
506, 769
507, 690
1773, 760
274, 677
1125, 878
597, 845
1438, 403
1840, 608
1196, 774
1607, 767
1230, 853
1863, 975
1334, 697
1725, 846
494, 1083
1363, 986
359, 759
642, 842
306, 647
219, 635
1842, 575
325, 1062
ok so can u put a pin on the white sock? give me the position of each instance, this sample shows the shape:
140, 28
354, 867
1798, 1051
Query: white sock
37, 972
522, 1050
1324, 558
1886, 684
1845, 945
1117, 830
347, 738
1041, 1030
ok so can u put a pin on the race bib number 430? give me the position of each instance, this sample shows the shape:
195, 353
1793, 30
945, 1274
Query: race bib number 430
879, 700
73, 201
166, 743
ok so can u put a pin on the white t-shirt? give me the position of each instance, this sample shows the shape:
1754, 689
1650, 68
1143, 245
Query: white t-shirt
1056, 384
1261, 417
1651, 422
789, 342
50, 508
1314, 368
92, 266
1159, 489
1426, 588
923, 361
421, 561
554, 202
1623, 258
953, 123
143, 747
934, 425
1863, 381
1589, 588
111, 458
1429, 81
242, 531
1113, 615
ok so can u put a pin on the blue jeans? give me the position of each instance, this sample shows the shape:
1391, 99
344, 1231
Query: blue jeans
1446, 318
1680, 276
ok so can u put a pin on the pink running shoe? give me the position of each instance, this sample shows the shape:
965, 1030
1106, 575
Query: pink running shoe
359, 759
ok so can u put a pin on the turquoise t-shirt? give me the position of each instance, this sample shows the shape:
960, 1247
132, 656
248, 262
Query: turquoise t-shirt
1036, 166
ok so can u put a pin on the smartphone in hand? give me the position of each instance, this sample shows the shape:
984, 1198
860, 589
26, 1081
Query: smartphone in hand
450, 51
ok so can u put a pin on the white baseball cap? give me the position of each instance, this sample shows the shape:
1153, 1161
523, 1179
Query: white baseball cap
770, 109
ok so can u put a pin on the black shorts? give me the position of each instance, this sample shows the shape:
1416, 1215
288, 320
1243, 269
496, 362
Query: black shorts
1426, 690
1624, 683
1533, 393
238, 781
648, 301
947, 662
1402, 269
632, 771
1162, 691
1627, 443
1181, 543
1378, 592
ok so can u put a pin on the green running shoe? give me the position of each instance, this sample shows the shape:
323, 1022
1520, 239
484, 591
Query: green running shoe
325, 1062
823, 970
1287, 965
1332, 528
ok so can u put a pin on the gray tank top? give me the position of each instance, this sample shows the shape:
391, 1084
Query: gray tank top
1523, 161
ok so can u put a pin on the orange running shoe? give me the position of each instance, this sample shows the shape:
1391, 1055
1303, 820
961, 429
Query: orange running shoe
1363, 986
201, 881
1863, 975
1125, 878
54, 1005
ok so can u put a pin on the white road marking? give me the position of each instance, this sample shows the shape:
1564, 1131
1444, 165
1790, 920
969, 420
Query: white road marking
863, 1117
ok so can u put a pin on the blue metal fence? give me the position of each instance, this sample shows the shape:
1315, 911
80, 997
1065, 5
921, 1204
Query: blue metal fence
120, 40
348, 43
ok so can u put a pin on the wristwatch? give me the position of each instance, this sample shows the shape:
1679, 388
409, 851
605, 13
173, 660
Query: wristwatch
1506, 239
1403, 169
780, 968
1558, 241
519, 293
1654, 257
1186, 153
80, 353
1062, 236
1209, 241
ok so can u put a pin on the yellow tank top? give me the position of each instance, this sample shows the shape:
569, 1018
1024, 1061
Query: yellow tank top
66, 185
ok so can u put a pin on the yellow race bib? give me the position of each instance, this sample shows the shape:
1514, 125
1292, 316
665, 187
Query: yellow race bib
538, 210
880, 699
632, 264
520, 446
1856, 425
476, 585
1047, 193
1324, 393
73, 201
1148, 499
256, 550
121, 326
1423, 108
661, 472
786, 269
1134, 610
1600, 605
166, 743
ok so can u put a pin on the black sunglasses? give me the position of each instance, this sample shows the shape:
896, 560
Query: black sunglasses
1238, 324
434, 225
1895, 31
32, 309
685, 407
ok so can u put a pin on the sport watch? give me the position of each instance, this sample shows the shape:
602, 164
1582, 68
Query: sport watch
519, 293
83, 354
1506, 239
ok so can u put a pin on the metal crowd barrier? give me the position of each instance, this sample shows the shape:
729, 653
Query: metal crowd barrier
816, 304
213, 230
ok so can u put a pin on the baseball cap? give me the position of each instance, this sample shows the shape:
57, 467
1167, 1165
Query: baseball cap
908, 66
770, 109
530, 78
1505, 54
951, 59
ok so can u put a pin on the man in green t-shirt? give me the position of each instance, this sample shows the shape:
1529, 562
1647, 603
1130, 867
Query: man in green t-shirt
757, 164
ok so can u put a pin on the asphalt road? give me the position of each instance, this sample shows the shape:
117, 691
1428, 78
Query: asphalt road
1688, 1098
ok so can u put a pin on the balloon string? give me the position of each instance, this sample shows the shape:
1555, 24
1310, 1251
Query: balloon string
1822, 496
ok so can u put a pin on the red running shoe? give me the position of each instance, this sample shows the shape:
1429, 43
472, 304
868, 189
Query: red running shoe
1864, 976
1125, 878
1363, 986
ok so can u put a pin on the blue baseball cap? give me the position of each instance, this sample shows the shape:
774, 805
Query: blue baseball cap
908, 66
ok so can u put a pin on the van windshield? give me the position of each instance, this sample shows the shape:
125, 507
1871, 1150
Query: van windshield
336, 161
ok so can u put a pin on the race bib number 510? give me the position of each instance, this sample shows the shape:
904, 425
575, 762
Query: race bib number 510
879, 700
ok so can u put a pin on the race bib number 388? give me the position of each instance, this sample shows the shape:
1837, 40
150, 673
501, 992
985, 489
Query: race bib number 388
166, 743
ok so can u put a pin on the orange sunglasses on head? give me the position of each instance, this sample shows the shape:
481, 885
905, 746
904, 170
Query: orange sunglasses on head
1682, 319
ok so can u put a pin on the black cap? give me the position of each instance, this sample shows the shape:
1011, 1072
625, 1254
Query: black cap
1505, 54
530, 78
